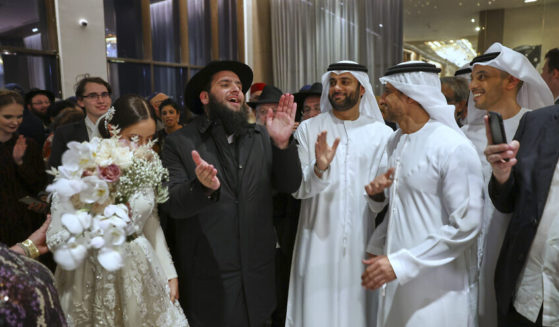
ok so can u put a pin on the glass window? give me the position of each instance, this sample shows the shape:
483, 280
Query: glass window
199, 32
23, 24
227, 18
129, 78
123, 30
165, 30
30, 71
171, 81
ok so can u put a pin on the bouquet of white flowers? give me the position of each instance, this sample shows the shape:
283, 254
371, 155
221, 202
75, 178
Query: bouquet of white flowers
93, 184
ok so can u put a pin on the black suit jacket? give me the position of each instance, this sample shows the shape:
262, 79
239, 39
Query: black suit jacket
225, 246
72, 132
524, 194
32, 126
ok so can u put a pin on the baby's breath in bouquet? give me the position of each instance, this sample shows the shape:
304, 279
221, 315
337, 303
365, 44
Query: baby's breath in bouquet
93, 185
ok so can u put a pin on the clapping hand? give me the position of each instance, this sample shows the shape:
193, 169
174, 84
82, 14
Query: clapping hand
375, 189
19, 150
324, 154
502, 157
206, 173
280, 124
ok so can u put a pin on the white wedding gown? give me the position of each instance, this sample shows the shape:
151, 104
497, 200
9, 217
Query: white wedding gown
137, 294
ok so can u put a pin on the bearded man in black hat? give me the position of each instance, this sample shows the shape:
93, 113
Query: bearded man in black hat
308, 101
222, 171
268, 100
35, 118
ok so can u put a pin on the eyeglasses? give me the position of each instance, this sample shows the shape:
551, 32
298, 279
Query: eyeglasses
40, 103
95, 96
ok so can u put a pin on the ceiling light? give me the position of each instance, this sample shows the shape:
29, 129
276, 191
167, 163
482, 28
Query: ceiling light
35, 30
528, 1
477, 28
458, 52
473, 20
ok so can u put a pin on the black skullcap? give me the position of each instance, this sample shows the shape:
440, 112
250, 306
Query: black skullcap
485, 57
347, 66
412, 67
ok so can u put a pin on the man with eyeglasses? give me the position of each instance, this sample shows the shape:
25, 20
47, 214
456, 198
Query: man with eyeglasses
94, 96
35, 118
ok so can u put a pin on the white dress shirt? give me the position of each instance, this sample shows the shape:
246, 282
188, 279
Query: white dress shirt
539, 281
92, 130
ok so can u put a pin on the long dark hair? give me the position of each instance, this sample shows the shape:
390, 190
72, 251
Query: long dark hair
185, 115
128, 110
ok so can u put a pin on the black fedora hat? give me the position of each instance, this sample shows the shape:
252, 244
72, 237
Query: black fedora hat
305, 91
270, 94
33, 92
203, 77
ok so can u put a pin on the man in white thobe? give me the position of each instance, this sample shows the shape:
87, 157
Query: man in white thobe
335, 222
503, 81
421, 253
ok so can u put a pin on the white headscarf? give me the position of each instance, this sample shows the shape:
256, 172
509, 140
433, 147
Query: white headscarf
425, 88
368, 106
465, 72
533, 94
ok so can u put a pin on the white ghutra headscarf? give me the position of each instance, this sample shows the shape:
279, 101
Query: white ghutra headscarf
533, 94
420, 81
368, 106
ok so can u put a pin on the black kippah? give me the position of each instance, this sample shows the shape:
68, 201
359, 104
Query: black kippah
413, 67
485, 57
347, 66
463, 71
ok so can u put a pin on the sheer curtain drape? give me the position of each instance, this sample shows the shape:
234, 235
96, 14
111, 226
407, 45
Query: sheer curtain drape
35, 66
308, 35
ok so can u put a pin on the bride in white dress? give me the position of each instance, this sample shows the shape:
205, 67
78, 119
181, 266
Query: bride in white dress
144, 291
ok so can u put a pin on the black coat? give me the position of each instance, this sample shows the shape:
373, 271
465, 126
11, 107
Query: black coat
75, 131
225, 244
524, 194
32, 126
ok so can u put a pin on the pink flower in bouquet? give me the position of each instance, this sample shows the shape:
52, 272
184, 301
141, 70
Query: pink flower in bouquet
111, 173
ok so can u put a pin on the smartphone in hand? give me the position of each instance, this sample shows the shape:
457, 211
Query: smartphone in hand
35, 204
497, 128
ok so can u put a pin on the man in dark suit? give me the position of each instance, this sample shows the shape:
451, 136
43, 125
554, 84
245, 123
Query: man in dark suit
94, 96
525, 182
550, 72
222, 172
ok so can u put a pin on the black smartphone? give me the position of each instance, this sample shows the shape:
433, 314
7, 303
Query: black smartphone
29, 200
497, 128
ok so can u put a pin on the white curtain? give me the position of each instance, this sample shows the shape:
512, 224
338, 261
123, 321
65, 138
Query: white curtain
308, 35
35, 66
163, 31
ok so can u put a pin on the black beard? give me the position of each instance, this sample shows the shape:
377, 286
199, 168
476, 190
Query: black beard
350, 101
39, 114
233, 121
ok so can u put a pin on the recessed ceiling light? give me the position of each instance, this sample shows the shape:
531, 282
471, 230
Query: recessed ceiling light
35, 30
528, 1
473, 20
477, 28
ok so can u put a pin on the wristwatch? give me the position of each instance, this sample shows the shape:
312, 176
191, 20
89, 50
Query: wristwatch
318, 170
